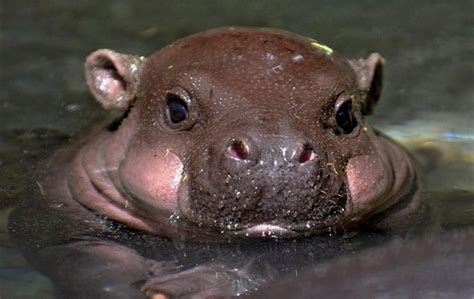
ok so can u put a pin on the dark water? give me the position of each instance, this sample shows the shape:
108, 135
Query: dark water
427, 103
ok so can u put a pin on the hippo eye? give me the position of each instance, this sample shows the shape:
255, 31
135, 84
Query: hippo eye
345, 118
177, 108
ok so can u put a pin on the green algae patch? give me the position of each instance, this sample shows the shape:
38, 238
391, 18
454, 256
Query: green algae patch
324, 48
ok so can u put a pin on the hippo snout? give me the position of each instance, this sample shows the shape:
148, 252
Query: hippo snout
266, 179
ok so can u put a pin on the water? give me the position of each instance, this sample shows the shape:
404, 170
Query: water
427, 100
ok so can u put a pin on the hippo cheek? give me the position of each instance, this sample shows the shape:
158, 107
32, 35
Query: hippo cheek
368, 181
152, 181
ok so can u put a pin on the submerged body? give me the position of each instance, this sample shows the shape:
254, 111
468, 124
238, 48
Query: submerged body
229, 133
434, 267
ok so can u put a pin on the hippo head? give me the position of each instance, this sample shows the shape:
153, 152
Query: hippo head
241, 132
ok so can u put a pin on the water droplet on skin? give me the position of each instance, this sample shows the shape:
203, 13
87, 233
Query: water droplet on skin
297, 58
277, 69
174, 216
270, 56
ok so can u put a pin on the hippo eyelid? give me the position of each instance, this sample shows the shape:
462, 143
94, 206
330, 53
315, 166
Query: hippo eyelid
181, 93
340, 99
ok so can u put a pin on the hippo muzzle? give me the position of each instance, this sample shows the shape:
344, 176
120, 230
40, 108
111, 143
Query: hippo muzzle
253, 178
241, 132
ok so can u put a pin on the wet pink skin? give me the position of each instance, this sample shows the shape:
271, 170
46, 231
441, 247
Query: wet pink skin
139, 174
151, 185
373, 183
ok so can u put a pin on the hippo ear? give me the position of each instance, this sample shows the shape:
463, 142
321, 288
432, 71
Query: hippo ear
369, 73
113, 78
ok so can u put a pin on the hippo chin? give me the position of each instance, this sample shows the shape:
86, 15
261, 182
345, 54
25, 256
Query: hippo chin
240, 132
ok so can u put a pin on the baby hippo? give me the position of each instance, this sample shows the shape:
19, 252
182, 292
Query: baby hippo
239, 132
226, 134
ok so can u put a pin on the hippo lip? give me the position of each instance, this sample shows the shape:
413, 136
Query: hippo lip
266, 230
275, 230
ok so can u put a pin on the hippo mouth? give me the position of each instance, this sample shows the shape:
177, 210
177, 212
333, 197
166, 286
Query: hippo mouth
266, 230
281, 201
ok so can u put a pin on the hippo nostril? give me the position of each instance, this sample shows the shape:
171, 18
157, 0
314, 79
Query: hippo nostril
238, 149
307, 154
